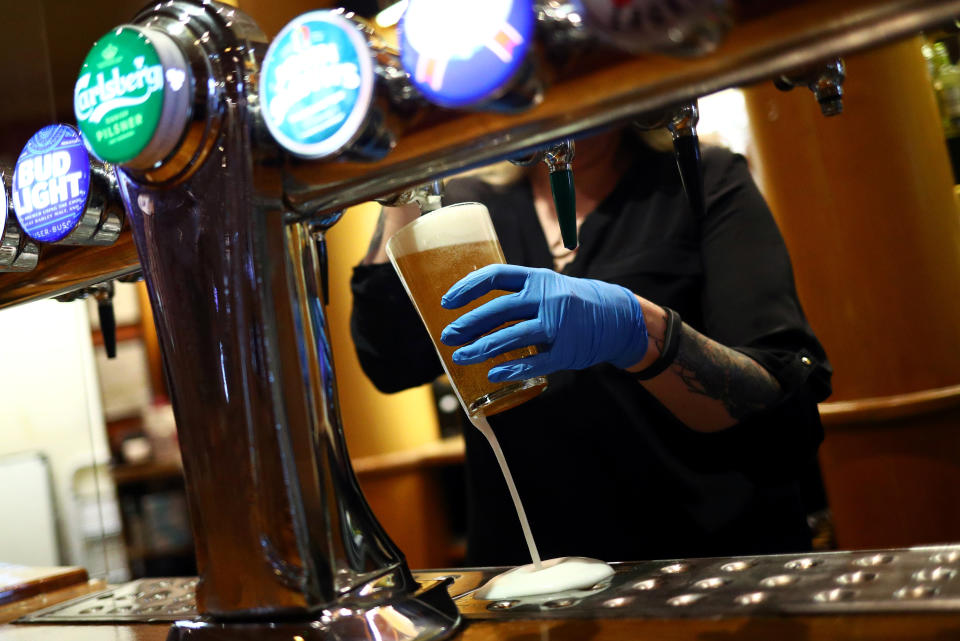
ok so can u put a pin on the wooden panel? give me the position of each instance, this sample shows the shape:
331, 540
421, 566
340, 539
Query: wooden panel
866, 205
18, 582
25, 606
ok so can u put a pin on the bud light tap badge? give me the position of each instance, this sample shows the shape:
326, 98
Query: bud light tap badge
51, 183
317, 84
461, 53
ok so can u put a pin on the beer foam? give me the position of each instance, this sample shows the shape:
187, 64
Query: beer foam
452, 225
555, 575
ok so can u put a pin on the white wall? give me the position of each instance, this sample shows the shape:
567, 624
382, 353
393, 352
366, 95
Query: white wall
50, 401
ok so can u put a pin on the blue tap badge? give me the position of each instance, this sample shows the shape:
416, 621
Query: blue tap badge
51, 183
460, 53
3, 206
317, 84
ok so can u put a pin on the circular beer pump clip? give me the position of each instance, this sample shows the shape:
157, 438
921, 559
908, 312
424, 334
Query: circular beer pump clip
51, 184
316, 85
132, 97
468, 53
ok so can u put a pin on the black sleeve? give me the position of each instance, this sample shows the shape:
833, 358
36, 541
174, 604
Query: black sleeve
750, 303
392, 344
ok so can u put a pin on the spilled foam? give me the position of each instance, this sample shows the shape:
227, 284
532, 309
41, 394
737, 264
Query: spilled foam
452, 225
554, 575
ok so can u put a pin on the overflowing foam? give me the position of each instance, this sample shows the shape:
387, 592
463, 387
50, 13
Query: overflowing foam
452, 225
554, 575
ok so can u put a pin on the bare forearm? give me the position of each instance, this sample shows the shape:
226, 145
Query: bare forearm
391, 219
709, 386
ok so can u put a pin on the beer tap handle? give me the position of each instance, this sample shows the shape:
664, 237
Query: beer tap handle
108, 321
559, 160
686, 148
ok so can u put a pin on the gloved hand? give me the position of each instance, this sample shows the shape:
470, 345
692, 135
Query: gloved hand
575, 322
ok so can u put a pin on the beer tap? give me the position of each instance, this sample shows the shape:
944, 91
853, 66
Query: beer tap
428, 197
559, 161
18, 253
61, 195
241, 320
103, 293
825, 80
681, 121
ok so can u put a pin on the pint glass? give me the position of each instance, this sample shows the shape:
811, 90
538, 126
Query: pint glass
430, 255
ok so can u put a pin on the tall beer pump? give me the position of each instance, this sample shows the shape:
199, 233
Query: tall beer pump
184, 100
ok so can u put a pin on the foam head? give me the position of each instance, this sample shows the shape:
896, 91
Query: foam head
452, 225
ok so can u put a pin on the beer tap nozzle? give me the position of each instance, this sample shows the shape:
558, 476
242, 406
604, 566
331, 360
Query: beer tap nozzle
825, 80
428, 197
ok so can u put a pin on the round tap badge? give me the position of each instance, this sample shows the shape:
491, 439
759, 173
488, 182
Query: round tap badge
3, 206
316, 84
461, 53
51, 183
130, 87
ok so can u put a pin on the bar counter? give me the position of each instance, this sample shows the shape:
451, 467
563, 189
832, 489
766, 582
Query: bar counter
880, 627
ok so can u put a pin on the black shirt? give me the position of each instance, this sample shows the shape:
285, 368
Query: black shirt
603, 469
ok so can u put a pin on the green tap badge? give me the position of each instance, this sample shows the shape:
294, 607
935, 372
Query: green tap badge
119, 96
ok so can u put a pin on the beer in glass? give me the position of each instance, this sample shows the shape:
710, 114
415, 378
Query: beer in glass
431, 254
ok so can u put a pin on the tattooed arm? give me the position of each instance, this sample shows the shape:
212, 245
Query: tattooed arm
391, 219
708, 387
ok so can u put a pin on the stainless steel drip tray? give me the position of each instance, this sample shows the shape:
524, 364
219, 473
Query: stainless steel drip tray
143, 601
924, 579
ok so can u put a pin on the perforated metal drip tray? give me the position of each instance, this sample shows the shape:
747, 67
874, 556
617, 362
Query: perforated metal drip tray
909, 580
143, 601
915, 580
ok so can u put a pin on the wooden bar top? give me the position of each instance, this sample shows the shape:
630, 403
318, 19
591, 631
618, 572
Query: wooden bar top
825, 628
20, 581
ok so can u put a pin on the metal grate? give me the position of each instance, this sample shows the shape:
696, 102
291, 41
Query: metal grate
909, 580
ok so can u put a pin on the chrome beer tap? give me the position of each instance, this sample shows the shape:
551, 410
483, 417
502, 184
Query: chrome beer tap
235, 279
682, 121
825, 80
18, 253
559, 161
428, 197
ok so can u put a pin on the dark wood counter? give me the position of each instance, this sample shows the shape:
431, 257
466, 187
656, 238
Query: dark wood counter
827, 628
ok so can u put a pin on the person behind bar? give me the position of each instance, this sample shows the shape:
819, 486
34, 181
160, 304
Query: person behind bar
644, 445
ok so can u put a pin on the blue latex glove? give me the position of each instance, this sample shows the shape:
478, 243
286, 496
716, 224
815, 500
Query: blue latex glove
575, 322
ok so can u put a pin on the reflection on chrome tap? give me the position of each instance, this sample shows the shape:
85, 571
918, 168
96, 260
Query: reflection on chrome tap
18, 253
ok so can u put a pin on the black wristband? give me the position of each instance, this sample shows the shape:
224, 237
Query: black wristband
671, 344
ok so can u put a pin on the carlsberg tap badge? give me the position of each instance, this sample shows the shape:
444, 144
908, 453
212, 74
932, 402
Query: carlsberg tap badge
118, 98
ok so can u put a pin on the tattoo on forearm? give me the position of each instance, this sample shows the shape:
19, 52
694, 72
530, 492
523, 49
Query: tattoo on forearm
377, 237
716, 371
